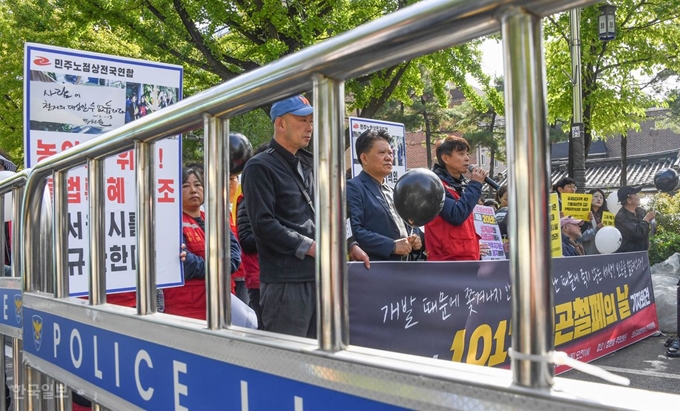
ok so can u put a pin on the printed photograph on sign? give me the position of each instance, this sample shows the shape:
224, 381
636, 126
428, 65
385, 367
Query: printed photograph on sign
74, 96
396, 131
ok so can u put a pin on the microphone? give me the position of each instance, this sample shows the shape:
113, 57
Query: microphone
487, 180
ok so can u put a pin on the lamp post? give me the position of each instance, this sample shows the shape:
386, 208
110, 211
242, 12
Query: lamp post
576, 141
607, 22
607, 32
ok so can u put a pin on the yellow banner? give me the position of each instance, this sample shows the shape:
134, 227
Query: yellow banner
608, 218
576, 205
555, 230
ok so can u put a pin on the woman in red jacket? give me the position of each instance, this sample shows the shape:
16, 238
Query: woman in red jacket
189, 300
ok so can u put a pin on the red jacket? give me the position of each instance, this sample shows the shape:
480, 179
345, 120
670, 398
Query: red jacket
447, 242
189, 300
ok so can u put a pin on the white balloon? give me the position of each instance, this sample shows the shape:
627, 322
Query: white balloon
613, 202
608, 240
8, 197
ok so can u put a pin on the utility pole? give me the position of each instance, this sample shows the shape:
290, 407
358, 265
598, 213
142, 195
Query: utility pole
577, 143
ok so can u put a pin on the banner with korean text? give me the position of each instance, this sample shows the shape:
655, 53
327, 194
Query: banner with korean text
72, 96
460, 311
397, 131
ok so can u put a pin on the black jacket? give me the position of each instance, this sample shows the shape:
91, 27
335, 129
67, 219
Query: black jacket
634, 230
281, 218
245, 232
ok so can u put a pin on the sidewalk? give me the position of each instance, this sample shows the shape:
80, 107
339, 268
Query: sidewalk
645, 363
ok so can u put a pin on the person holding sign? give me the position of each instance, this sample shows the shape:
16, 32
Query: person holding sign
451, 236
376, 225
571, 232
564, 185
589, 229
632, 221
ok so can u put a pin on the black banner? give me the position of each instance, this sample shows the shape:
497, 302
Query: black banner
460, 311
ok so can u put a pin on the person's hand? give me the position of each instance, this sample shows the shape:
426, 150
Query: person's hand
478, 174
506, 248
183, 253
357, 254
402, 246
416, 243
650, 216
312, 250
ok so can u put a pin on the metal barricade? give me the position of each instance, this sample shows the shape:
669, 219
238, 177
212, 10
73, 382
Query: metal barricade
122, 359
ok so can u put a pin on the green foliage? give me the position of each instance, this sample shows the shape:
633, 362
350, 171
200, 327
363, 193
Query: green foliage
619, 77
667, 208
662, 246
214, 41
667, 240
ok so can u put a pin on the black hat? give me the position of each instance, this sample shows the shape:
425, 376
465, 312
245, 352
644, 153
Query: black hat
625, 191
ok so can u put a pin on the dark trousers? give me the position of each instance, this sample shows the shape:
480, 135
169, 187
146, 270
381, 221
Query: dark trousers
289, 308
254, 303
241, 291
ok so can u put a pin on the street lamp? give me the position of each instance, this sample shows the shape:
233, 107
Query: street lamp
607, 22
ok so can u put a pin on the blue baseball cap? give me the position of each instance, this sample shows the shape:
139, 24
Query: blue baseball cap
296, 105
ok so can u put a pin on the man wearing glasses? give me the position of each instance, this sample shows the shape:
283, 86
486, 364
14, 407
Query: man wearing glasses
632, 221
564, 185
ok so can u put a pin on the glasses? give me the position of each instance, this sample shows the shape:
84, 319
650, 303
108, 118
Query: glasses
572, 186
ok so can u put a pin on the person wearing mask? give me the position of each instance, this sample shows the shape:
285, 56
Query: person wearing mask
632, 221
564, 185
571, 232
451, 236
376, 225
278, 185
589, 229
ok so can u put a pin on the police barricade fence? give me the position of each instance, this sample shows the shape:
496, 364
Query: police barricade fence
122, 358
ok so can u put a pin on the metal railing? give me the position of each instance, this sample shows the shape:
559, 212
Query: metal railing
431, 384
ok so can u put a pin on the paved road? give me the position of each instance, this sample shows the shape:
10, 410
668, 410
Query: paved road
644, 363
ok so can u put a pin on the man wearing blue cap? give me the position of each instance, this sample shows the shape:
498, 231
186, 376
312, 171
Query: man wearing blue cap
278, 185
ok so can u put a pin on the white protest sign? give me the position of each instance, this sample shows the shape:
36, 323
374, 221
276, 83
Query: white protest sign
73, 96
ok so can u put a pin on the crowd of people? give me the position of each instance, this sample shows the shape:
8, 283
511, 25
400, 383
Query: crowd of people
273, 247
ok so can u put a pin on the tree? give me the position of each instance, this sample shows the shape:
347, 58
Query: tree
619, 77
216, 41
484, 127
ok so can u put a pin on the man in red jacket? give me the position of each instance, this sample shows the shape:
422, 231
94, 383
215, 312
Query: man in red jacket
451, 236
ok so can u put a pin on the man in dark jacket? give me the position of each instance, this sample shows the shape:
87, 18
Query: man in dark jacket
451, 236
571, 232
632, 221
278, 186
375, 223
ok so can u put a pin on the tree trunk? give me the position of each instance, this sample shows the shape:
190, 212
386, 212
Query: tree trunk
492, 149
624, 160
428, 132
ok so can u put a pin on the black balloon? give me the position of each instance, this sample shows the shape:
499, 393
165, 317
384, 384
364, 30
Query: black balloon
419, 196
240, 151
666, 180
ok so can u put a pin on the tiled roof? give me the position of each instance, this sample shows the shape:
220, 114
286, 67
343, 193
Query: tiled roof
606, 173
